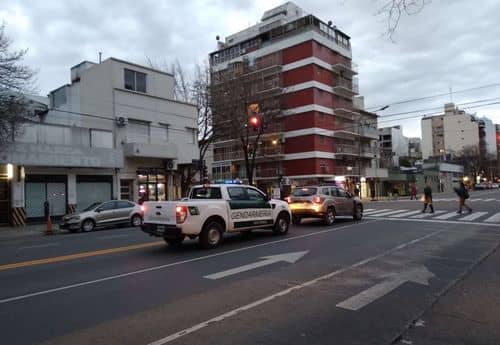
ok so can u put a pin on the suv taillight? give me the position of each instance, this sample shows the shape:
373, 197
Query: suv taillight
317, 200
181, 214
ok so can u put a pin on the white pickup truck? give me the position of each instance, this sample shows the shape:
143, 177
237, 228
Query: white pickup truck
211, 210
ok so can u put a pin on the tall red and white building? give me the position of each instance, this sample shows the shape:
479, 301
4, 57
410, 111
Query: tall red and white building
322, 132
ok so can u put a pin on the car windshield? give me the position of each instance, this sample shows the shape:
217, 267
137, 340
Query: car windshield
91, 207
304, 191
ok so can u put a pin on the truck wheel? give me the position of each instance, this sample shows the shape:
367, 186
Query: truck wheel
174, 242
329, 218
211, 235
296, 220
282, 224
358, 212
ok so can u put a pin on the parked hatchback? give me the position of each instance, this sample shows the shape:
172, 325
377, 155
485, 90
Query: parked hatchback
325, 202
100, 214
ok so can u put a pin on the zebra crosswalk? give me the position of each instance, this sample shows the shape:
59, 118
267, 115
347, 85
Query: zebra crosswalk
441, 215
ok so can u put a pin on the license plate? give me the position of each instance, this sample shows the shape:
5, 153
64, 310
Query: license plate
160, 228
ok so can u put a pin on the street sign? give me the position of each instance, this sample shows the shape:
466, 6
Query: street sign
419, 275
268, 260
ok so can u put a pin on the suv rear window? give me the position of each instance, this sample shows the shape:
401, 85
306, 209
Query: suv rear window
206, 193
304, 191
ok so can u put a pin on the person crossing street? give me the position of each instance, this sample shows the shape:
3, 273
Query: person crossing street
463, 194
428, 198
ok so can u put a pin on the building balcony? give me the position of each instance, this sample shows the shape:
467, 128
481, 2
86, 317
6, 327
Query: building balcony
369, 132
345, 87
164, 151
346, 112
262, 153
345, 68
348, 150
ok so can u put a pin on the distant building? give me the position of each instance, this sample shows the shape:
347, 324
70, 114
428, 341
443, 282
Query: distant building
392, 145
114, 132
450, 133
415, 148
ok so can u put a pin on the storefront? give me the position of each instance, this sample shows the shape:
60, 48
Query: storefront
45, 188
93, 188
152, 184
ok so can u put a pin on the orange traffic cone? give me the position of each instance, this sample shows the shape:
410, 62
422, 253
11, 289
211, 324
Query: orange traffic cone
49, 226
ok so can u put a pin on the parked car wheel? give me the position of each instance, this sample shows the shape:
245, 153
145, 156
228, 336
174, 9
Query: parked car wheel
136, 220
211, 235
329, 218
358, 212
282, 224
88, 225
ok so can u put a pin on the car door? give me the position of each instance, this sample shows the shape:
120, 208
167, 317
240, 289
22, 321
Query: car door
105, 214
262, 214
123, 210
345, 201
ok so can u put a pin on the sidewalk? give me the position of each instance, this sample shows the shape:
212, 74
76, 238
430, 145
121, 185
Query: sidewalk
469, 313
10, 232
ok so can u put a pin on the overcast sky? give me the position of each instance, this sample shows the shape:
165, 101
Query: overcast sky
449, 44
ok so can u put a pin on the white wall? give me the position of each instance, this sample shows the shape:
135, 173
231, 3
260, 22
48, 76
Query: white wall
427, 147
459, 132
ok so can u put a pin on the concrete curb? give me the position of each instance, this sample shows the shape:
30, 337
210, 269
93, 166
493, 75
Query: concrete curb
441, 293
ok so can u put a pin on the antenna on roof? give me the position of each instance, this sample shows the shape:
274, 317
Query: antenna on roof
330, 23
217, 38
100, 57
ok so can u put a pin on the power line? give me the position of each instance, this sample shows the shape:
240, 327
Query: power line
410, 100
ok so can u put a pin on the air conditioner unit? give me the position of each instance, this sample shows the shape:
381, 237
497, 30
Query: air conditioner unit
121, 121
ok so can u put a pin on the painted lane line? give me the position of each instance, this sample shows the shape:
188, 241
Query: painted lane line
406, 214
55, 259
268, 260
473, 216
390, 212
285, 292
427, 215
493, 219
489, 199
433, 220
113, 236
40, 246
156, 268
377, 211
369, 209
447, 215
419, 275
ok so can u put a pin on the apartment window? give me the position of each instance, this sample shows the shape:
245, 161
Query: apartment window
164, 132
102, 139
192, 135
135, 81
138, 131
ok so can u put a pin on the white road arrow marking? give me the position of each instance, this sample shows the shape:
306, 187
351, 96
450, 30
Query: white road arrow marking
268, 260
419, 275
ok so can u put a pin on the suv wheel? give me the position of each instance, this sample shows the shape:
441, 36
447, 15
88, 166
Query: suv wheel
358, 212
88, 225
211, 235
296, 220
329, 218
282, 224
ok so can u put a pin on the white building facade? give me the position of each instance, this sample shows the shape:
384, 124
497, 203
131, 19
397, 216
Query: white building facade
114, 132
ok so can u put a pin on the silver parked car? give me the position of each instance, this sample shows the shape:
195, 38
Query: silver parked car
100, 214
325, 202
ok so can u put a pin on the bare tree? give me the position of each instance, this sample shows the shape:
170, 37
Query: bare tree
394, 9
239, 93
16, 80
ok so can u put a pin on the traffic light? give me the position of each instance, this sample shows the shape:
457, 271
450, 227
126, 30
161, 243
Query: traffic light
205, 171
254, 122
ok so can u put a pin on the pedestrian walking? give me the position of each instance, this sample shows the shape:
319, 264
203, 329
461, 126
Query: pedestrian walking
463, 194
427, 198
413, 193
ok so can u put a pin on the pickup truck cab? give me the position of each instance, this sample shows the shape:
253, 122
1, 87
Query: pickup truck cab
213, 209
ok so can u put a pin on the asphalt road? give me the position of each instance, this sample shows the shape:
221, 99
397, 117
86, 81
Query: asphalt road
351, 283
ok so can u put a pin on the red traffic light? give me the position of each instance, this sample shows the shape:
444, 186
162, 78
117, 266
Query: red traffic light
254, 121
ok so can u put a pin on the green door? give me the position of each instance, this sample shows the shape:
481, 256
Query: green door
249, 207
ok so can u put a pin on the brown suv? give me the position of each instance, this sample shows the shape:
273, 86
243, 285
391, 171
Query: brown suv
324, 202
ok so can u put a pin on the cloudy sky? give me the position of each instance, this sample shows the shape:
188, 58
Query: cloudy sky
450, 44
